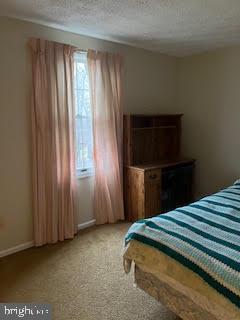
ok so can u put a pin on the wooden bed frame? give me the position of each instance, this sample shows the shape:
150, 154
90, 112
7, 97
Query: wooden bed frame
174, 300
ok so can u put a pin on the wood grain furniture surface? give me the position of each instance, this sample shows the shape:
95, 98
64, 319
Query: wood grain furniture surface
152, 155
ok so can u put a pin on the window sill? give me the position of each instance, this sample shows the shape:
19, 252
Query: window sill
85, 175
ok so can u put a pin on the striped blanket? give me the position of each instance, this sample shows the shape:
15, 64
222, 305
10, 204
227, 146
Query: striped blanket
204, 237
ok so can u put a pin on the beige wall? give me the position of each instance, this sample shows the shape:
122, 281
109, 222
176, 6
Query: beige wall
209, 96
150, 86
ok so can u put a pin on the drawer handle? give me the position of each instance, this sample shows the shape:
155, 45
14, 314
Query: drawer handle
152, 176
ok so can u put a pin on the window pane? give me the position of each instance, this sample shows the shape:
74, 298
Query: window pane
84, 145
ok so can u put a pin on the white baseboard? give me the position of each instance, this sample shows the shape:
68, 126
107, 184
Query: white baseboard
30, 244
86, 224
15, 249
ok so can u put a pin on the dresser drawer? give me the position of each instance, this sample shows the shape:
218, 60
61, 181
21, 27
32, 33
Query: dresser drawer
153, 175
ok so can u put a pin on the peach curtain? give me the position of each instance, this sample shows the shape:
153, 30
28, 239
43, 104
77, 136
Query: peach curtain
105, 73
52, 112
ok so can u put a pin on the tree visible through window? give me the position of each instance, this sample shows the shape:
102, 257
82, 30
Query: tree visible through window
84, 141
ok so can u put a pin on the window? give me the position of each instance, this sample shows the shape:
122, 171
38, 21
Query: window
84, 139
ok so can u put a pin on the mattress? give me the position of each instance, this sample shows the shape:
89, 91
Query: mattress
196, 249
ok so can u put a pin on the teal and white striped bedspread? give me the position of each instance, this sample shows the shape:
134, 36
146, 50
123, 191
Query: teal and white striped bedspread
204, 237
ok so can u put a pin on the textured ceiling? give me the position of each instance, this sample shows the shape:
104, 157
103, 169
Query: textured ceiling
176, 27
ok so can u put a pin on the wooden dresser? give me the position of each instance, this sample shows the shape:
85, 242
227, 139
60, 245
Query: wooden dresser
156, 177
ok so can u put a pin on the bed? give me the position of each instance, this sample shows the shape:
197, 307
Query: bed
189, 258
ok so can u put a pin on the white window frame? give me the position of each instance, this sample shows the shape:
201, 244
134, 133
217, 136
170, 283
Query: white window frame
88, 171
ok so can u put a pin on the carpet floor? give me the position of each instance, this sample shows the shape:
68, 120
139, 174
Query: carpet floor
83, 279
